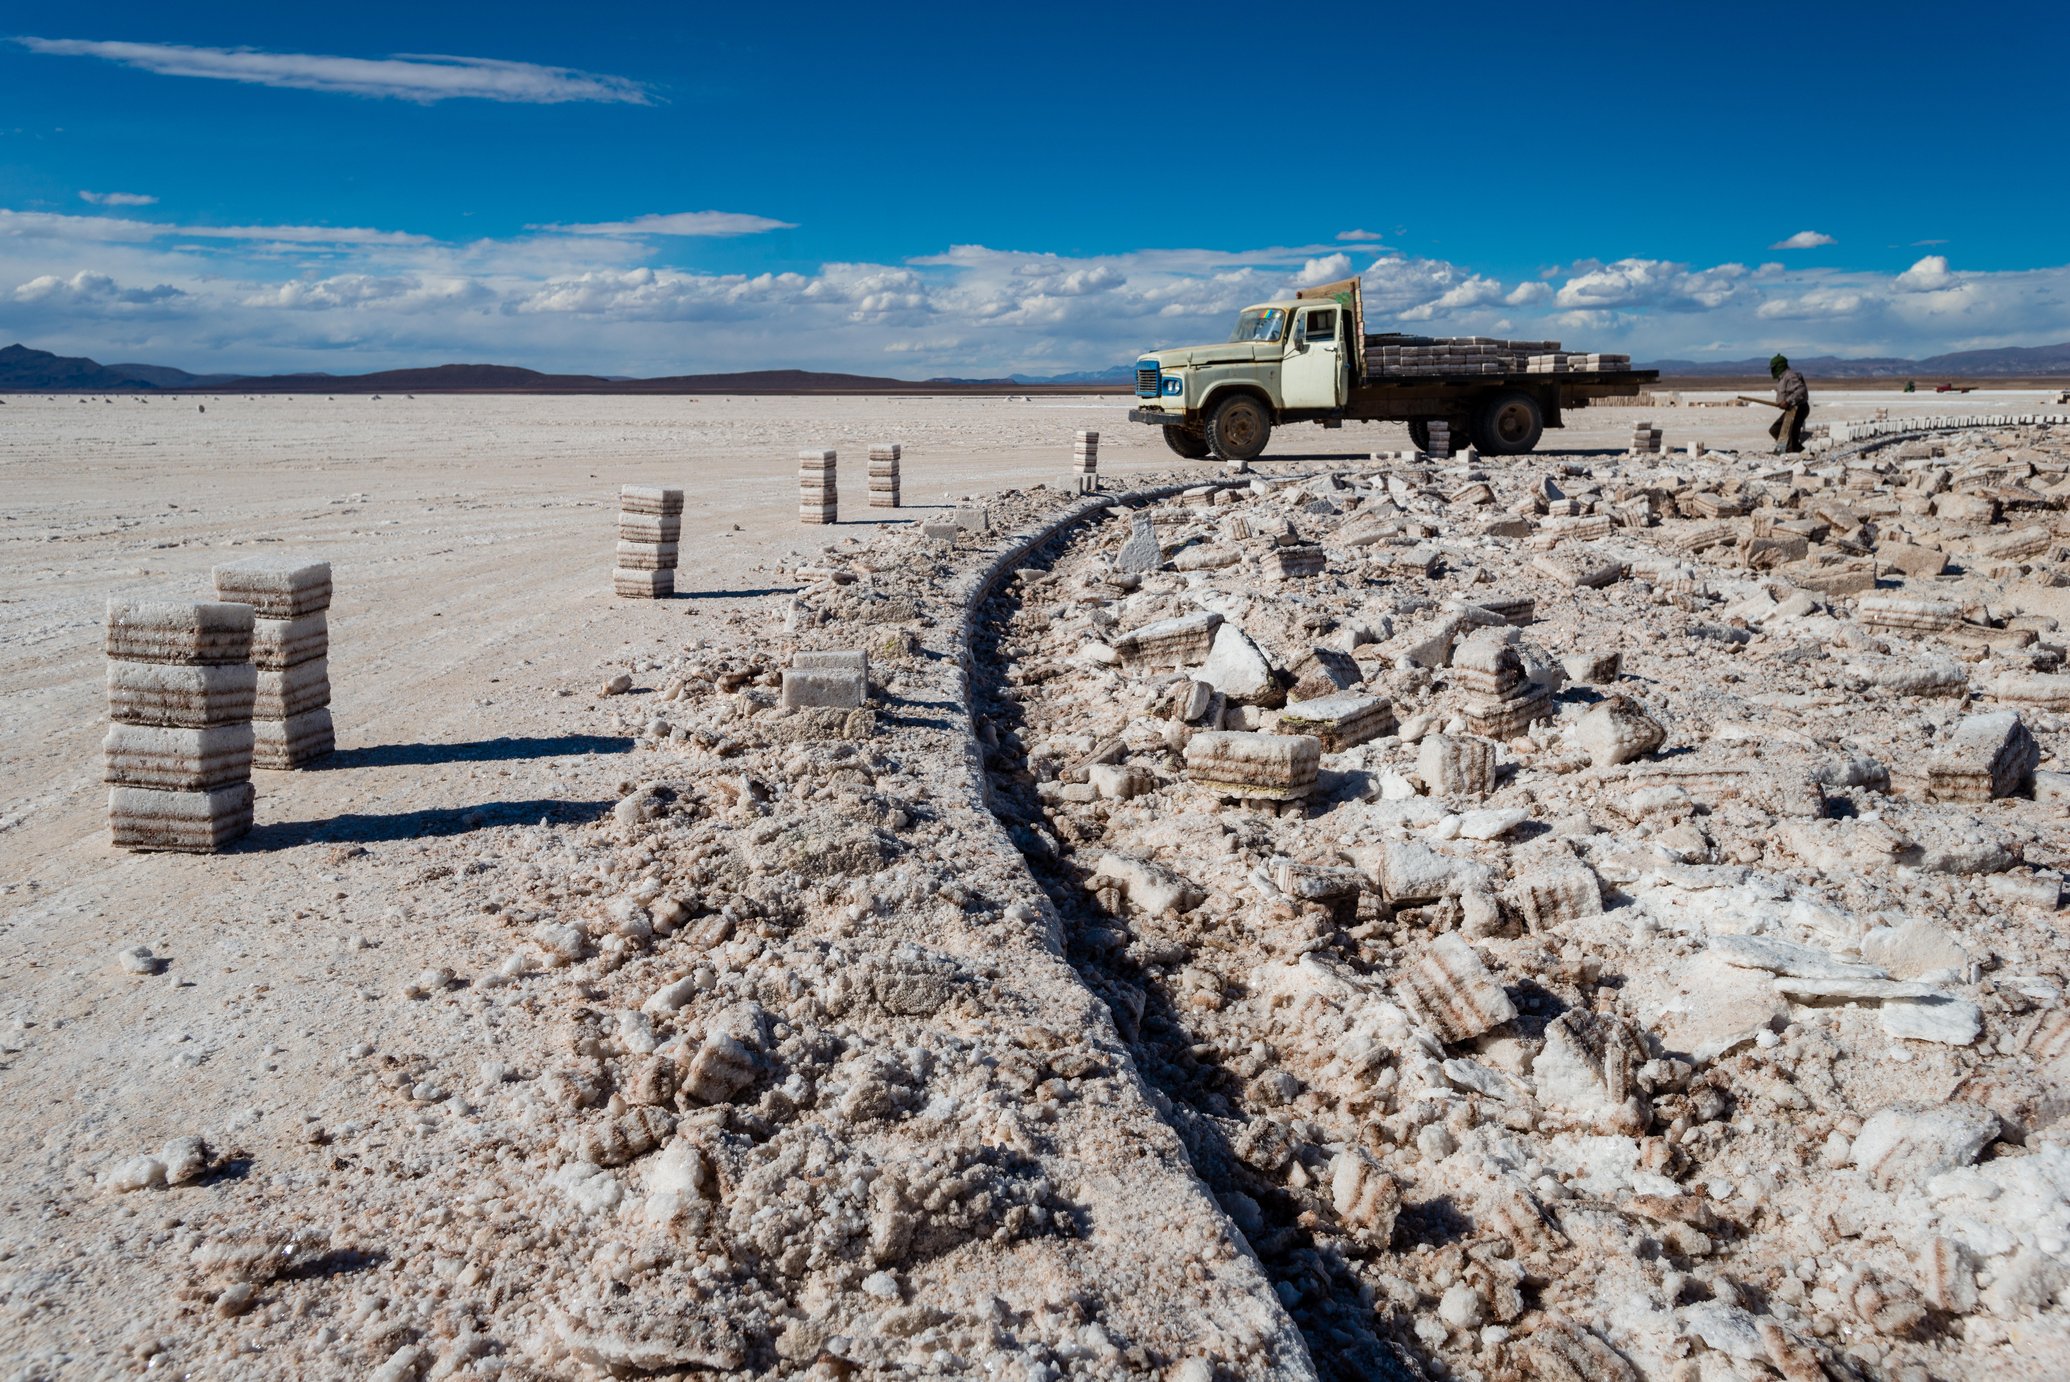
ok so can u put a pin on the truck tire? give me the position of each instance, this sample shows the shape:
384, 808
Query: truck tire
1419, 434
1239, 428
1508, 424
1192, 445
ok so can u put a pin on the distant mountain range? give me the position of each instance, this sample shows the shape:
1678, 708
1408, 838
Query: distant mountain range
23, 370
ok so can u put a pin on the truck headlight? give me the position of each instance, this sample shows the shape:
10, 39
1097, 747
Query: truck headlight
1173, 385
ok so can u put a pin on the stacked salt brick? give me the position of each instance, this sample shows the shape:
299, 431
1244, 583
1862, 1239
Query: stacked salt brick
1085, 462
818, 500
179, 753
650, 536
1500, 701
1645, 439
884, 457
290, 646
1440, 439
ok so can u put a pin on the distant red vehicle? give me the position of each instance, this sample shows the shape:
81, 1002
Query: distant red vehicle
1953, 388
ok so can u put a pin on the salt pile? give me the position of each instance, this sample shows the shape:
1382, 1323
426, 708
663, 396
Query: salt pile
650, 534
290, 648
178, 754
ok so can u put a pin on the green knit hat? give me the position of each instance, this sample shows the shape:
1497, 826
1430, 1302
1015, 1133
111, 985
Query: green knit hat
1777, 364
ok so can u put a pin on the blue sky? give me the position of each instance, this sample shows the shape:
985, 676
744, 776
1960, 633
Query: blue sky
980, 189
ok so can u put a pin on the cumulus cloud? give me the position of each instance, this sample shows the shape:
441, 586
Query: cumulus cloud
422, 77
690, 223
1651, 283
1928, 275
87, 291
118, 199
1820, 302
1529, 294
1804, 240
1327, 269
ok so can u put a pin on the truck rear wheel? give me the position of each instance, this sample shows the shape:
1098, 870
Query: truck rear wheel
1192, 445
1239, 428
1509, 424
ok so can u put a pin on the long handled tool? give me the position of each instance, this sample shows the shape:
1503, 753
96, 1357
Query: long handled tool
1749, 398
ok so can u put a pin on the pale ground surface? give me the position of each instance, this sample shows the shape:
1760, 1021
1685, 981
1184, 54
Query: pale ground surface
470, 539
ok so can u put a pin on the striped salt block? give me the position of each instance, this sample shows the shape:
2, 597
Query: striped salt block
650, 499
648, 556
278, 587
194, 633
289, 692
885, 451
642, 585
650, 527
163, 693
145, 818
817, 461
283, 643
296, 740
178, 760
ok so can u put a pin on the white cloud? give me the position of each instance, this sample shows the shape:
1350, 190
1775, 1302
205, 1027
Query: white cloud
1529, 294
1804, 240
1358, 235
1651, 283
51, 225
1327, 269
118, 199
91, 292
405, 76
1928, 275
692, 223
1820, 302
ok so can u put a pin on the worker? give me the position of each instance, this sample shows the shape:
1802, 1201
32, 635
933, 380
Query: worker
1794, 398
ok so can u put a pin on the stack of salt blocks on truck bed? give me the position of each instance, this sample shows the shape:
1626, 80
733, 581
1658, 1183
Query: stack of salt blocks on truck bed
179, 750
1085, 462
1645, 439
884, 458
650, 535
290, 647
1557, 361
818, 499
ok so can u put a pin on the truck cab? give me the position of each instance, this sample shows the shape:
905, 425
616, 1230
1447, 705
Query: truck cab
1293, 360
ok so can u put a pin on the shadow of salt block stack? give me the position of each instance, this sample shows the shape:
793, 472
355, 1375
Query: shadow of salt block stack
179, 754
650, 535
1500, 701
884, 458
291, 644
1085, 462
1270, 769
1645, 439
818, 499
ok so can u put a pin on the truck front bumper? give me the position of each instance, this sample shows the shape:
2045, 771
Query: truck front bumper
1156, 417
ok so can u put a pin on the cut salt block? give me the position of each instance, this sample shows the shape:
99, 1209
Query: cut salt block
824, 688
294, 741
143, 818
193, 633
1340, 721
1507, 717
1456, 766
178, 760
650, 527
1486, 663
812, 462
651, 499
1294, 561
278, 587
1175, 642
1988, 756
642, 585
1264, 767
648, 556
163, 693
1451, 991
289, 692
856, 660
278, 644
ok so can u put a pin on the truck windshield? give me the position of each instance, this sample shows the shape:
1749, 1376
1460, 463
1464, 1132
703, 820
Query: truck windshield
1259, 324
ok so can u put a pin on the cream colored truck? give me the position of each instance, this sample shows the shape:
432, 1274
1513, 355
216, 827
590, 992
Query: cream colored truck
1308, 359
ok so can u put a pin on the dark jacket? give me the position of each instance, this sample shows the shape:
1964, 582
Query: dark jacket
1790, 390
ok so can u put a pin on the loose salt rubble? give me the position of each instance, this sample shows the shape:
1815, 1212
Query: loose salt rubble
178, 756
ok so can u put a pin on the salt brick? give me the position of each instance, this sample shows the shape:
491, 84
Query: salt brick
142, 818
292, 742
158, 693
192, 633
278, 587
177, 760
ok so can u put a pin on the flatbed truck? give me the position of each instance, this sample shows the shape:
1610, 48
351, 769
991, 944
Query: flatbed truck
1308, 359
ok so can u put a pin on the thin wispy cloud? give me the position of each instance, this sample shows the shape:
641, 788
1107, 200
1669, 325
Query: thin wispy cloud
1358, 236
48, 225
118, 199
693, 223
405, 76
1803, 240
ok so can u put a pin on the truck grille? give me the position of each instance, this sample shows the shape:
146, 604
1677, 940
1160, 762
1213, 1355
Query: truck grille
1147, 380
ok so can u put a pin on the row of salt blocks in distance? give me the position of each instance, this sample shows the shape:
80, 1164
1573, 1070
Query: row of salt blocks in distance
650, 535
291, 649
179, 749
1085, 462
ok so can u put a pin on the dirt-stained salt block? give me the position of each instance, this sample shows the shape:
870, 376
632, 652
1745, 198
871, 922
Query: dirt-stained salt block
278, 644
294, 741
288, 692
143, 818
650, 527
642, 585
1455, 766
1341, 721
1451, 991
649, 499
1176, 642
190, 632
648, 556
832, 688
278, 587
1266, 767
178, 760
856, 660
1988, 756
164, 693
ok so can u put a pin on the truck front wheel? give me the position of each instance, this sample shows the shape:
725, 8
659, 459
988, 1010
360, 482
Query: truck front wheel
1192, 445
1239, 428
1509, 424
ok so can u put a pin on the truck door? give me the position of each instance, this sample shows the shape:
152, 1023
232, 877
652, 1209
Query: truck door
1312, 375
